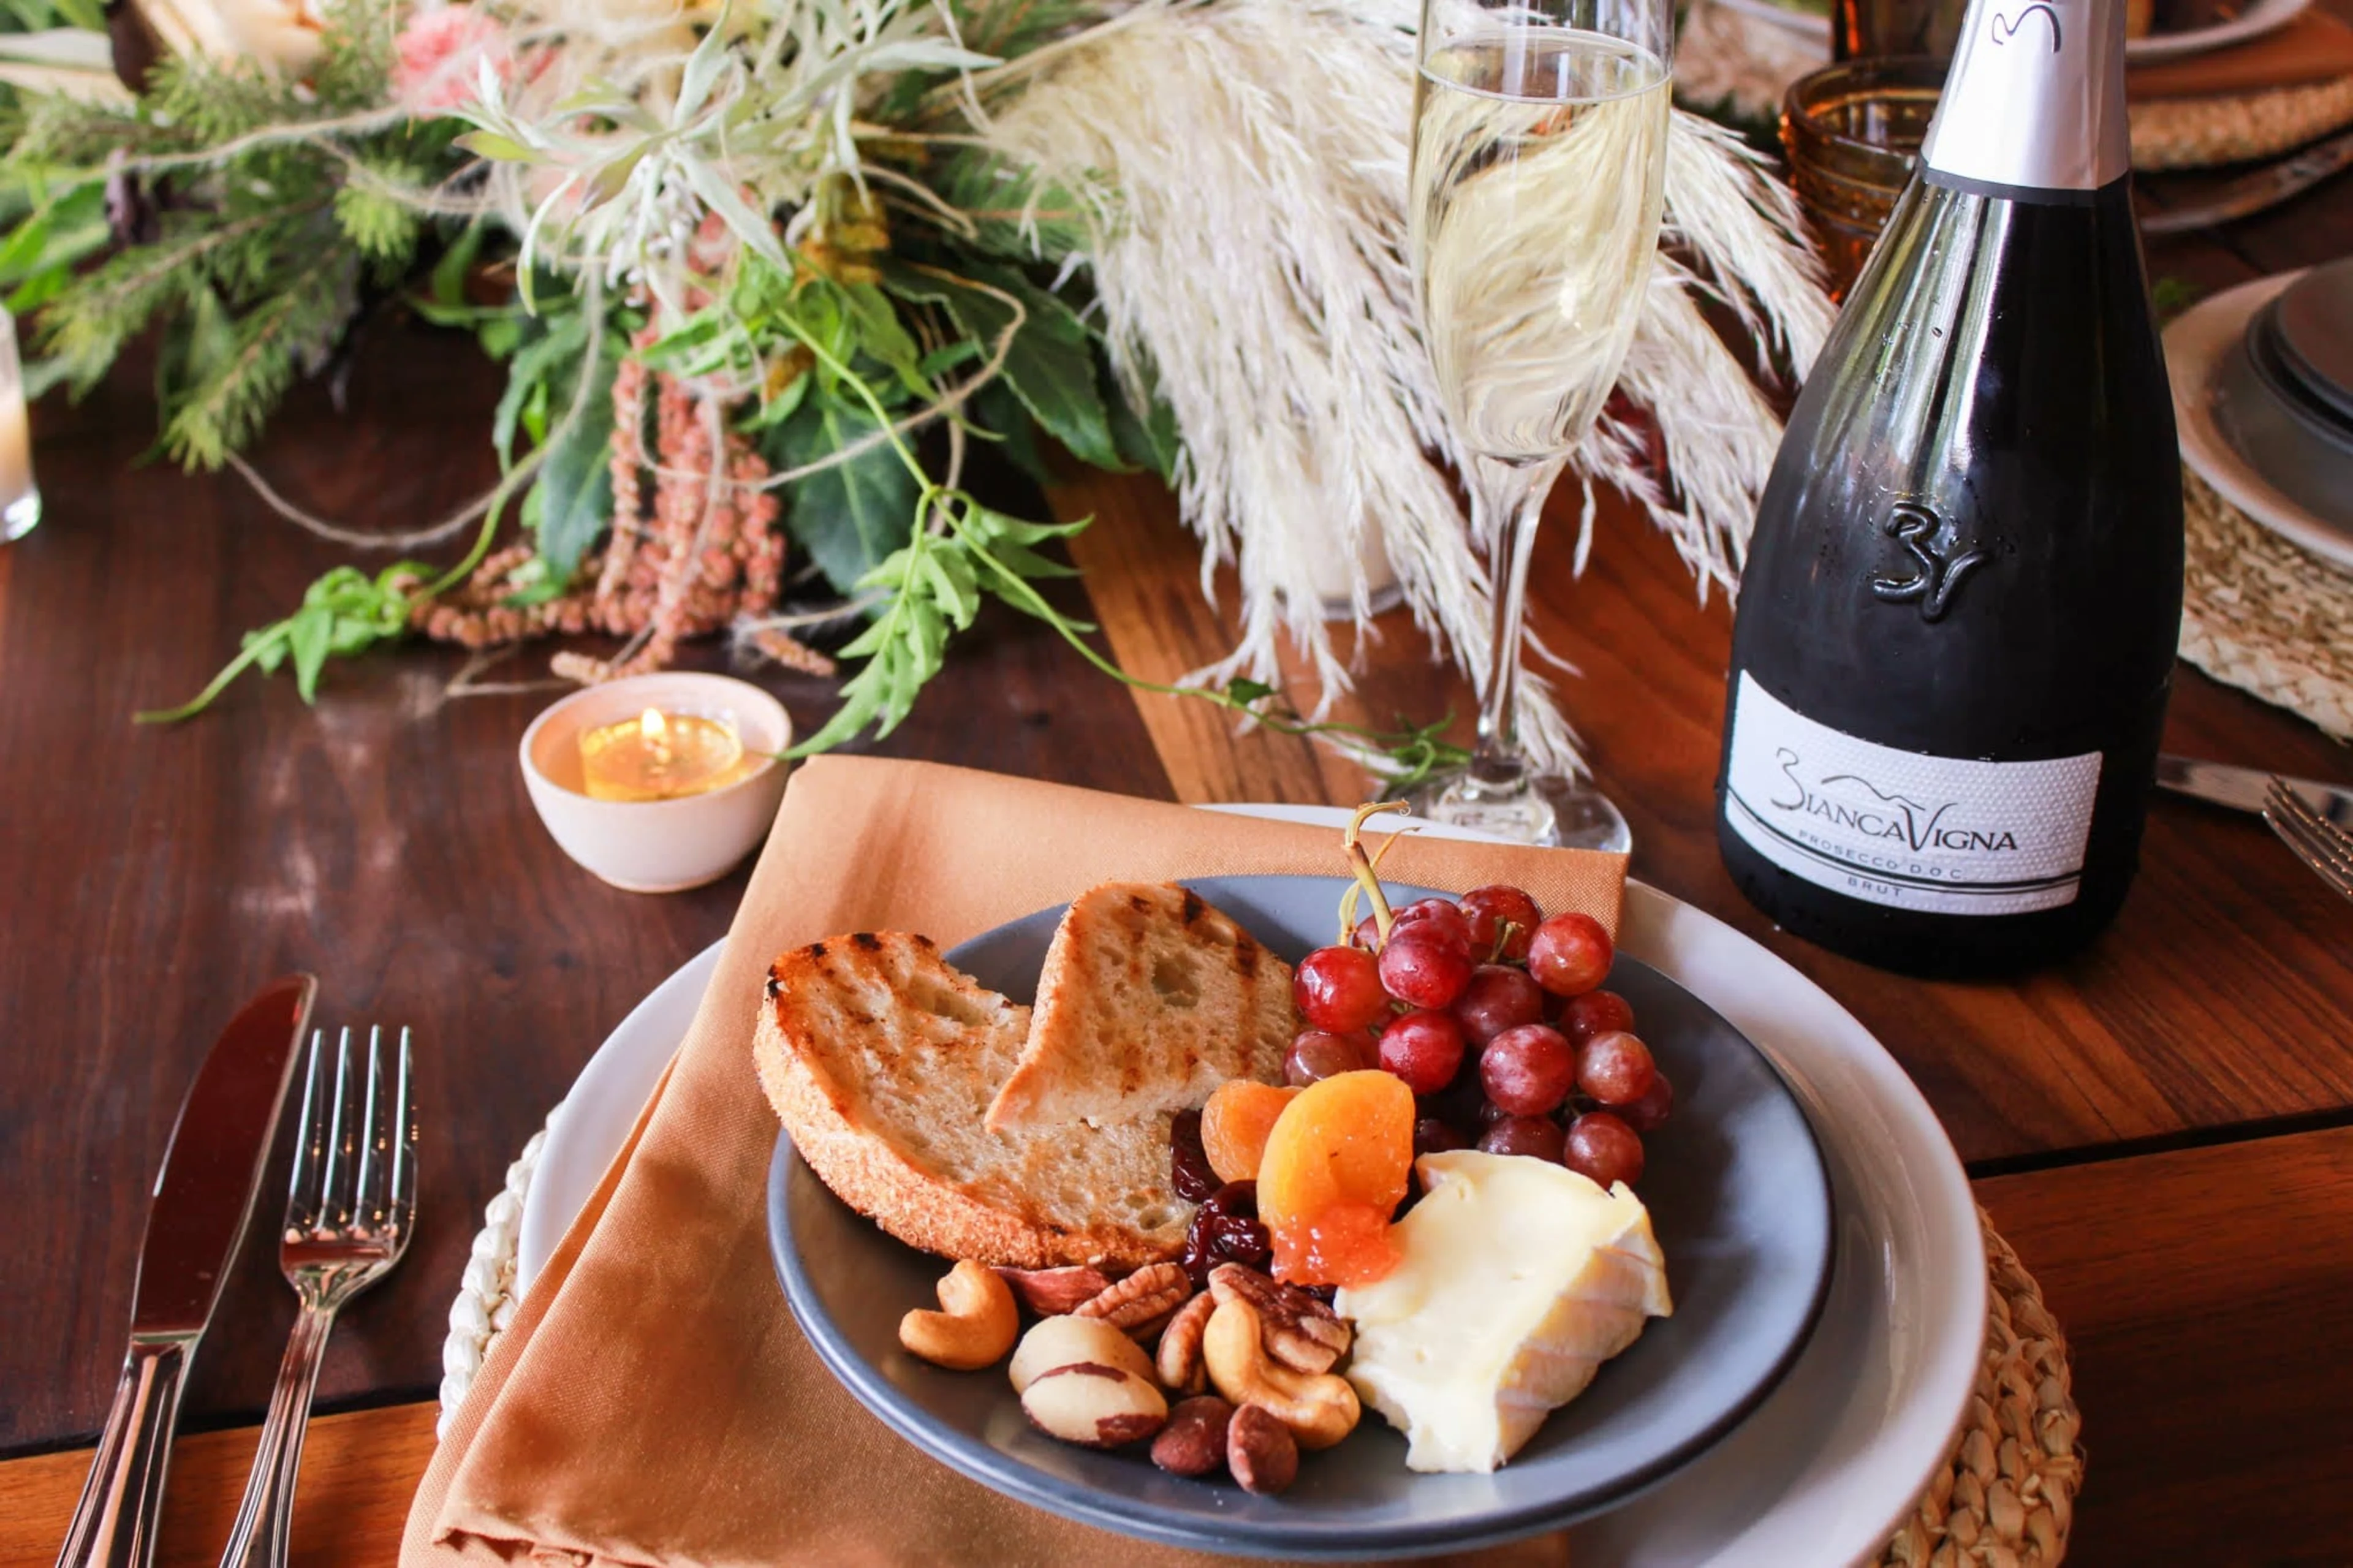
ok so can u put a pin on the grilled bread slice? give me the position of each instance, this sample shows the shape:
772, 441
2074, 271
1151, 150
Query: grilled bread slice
882, 1060
1149, 1000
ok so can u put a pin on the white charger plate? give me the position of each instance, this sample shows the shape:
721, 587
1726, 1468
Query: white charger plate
2196, 344
1835, 1458
2263, 17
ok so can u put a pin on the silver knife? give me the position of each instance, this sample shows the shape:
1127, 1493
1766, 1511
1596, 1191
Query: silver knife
203, 1195
2241, 789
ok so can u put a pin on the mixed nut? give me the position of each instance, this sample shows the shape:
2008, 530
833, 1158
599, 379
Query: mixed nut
1248, 1362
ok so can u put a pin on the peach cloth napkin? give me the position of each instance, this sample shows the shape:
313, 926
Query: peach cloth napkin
2314, 48
653, 1402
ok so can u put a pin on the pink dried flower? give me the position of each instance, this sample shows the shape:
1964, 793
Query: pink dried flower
439, 55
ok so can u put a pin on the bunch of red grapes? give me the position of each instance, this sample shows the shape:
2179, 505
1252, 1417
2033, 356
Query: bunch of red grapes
1494, 1016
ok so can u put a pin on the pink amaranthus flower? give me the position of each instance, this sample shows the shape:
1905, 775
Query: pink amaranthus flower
439, 55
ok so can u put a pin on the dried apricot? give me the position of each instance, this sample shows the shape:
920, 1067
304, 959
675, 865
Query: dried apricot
1235, 1124
1333, 1170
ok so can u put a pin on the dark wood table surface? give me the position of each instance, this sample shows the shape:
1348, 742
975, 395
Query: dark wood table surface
2163, 1126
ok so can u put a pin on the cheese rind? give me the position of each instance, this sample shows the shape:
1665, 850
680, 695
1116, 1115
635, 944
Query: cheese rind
1520, 1278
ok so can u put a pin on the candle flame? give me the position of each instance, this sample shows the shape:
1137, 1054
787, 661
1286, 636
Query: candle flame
652, 727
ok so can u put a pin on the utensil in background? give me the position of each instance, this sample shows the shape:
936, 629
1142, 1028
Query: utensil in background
350, 1207
2317, 842
203, 1196
2246, 789
1852, 133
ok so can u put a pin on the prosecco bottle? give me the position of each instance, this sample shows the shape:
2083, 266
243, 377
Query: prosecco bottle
1956, 626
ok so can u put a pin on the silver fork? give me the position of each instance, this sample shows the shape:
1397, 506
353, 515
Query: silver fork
349, 1210
2317, 842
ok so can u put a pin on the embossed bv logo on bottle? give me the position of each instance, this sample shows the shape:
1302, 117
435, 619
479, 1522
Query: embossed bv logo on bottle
1937, 560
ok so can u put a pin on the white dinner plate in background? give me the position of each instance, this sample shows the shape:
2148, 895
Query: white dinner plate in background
2195, 345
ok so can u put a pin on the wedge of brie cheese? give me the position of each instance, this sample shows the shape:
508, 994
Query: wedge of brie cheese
1520, 1278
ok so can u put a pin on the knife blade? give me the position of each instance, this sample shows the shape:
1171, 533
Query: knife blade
202, 1199
2241, 789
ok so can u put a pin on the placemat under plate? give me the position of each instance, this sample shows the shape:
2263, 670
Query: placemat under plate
2265, 615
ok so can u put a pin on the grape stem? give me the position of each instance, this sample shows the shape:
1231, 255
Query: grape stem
1366, 869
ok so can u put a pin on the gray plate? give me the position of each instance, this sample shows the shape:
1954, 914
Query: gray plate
1736, 1193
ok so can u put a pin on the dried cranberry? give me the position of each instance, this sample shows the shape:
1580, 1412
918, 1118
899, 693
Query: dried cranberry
1188, 1162
1225, 1229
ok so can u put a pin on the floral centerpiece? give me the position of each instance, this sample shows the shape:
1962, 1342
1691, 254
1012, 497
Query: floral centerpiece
765, 273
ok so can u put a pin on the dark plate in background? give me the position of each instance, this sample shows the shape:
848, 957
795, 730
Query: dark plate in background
1737, 1196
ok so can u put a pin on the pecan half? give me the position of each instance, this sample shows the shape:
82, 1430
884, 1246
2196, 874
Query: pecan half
1055, 1292
1140, 1303
1178, 1362
1299, 1330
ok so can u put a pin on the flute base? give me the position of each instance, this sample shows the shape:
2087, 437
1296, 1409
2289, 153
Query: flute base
1551, 809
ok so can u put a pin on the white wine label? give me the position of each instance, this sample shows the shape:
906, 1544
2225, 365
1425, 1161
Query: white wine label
1945, 835
2035, 98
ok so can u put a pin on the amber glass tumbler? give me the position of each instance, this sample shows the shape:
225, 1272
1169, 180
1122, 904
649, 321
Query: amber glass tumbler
1853, 131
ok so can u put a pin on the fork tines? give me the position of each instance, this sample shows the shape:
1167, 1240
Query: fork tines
356, 1170
2317, 842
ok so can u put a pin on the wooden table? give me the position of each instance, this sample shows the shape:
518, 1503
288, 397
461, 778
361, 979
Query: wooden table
2162, 1126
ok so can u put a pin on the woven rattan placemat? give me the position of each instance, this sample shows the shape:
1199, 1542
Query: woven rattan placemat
2004, 1499
2265, 615
2200, 133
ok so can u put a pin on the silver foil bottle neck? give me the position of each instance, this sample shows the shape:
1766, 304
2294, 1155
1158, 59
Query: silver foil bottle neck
2035, 99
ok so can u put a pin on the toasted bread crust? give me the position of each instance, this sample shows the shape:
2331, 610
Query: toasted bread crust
1150, 998
988, 1221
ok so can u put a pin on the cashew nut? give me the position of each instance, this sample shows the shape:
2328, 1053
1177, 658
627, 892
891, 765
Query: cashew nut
975, 1325
1066, 1342
1319, 1410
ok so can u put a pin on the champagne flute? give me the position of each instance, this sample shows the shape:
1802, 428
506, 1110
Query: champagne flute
1539, 155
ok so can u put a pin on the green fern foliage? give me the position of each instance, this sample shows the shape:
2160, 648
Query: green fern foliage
277, 207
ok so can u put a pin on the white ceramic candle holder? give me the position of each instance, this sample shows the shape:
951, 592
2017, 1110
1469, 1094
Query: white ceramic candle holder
657, 846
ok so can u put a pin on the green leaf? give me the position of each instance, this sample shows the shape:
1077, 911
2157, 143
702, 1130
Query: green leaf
307, 636
448, 277
851, 515
703, 67
1245, 690
491, 144
612, 176
550, 356
575, 480
946, 357
750, 227
998, 415
880, 333
501, 335
993, 527
1151, 442
42, 249
1028, 562
951, 580
781, 407
1050, 362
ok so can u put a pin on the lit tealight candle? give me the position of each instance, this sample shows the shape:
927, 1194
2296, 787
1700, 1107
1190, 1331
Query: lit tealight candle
20, 499
661, 756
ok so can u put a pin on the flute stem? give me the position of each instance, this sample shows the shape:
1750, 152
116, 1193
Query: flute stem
1506, 500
